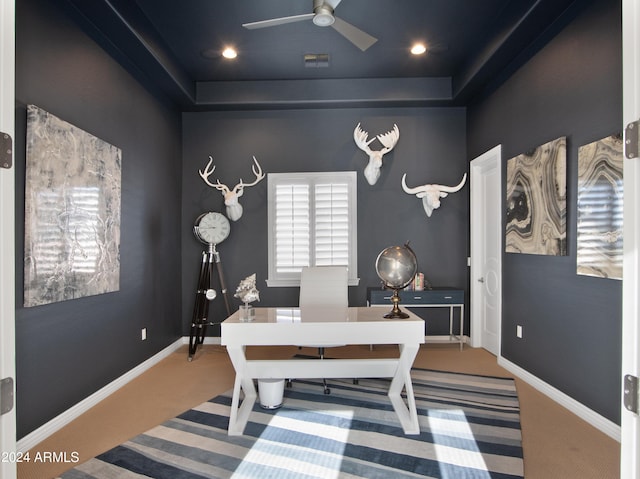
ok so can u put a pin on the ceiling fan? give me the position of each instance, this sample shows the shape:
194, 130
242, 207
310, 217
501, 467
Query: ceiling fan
322, 16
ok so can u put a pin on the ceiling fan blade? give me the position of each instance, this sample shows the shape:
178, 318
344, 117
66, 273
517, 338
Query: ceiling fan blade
356, 36
278, 21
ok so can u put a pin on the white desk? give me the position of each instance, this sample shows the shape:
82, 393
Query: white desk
326, 326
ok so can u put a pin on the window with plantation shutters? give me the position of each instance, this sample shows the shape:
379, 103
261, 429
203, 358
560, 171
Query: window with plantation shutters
312, 222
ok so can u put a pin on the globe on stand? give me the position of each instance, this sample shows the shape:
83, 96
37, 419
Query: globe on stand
396, 266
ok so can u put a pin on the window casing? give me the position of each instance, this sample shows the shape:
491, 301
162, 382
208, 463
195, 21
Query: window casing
312, 222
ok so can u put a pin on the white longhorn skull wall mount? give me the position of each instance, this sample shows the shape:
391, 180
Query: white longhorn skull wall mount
234, 208
431, 194
388, 140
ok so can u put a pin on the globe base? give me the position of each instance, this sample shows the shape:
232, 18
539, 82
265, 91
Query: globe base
395, 312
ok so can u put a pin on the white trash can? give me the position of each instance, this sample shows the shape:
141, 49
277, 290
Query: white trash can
271, 393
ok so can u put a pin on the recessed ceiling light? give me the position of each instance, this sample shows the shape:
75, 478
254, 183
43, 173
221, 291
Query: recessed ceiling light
229, 53
418, 49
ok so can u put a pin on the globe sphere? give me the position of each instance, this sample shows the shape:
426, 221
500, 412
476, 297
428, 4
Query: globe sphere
396, 266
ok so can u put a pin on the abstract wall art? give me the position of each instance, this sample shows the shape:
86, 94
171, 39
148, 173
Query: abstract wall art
600, 208
537, 201
72, 212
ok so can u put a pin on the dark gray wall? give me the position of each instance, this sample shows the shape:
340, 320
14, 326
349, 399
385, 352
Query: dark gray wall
572, 323
67, 351
431, 149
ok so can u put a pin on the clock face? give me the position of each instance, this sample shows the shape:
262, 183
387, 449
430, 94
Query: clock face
212, 228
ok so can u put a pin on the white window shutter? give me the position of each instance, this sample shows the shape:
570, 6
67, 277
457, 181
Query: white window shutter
312, 222
332, 224
292, 227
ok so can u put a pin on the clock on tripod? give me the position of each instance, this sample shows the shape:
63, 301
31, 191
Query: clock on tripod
211, 229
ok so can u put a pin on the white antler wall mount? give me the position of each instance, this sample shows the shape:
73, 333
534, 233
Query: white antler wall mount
388, 140
431, 194
234, 208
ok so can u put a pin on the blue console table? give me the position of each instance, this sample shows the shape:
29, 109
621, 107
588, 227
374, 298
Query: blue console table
442, 297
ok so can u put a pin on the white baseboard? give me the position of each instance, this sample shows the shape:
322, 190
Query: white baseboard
603, 424
207, 340
444, 338
608, 427
57, 423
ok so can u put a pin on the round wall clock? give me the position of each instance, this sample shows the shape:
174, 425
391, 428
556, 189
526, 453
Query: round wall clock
211, 228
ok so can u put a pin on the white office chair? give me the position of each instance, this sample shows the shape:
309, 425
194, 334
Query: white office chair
324, 287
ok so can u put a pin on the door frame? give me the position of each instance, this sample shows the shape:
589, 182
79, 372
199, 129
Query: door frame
630, 422
7, 233
479, 166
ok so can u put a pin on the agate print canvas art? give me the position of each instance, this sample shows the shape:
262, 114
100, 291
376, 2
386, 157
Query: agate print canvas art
600, 208
537, 201
72, 212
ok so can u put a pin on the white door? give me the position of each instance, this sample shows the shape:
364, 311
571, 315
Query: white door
630, 435
486, 250
7, 243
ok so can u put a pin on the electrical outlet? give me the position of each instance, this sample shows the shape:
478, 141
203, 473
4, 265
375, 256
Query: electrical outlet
519, 331
144, 334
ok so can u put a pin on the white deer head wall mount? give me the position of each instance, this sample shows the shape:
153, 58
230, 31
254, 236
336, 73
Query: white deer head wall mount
234, 208
388, 140
431, 194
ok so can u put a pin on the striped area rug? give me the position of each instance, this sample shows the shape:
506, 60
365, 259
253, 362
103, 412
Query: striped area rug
470, 428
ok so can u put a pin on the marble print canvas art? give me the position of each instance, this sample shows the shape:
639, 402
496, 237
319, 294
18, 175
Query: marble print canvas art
537, 201
600, 205
72, 212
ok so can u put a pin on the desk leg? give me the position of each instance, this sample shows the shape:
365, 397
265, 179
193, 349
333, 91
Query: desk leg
407, 413
239, 414
461, 327
450, 323
451, 336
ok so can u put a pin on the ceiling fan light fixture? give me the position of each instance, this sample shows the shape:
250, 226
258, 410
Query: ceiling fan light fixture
323, 16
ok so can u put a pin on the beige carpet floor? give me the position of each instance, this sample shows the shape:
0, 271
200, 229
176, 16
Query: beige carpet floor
557, 444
